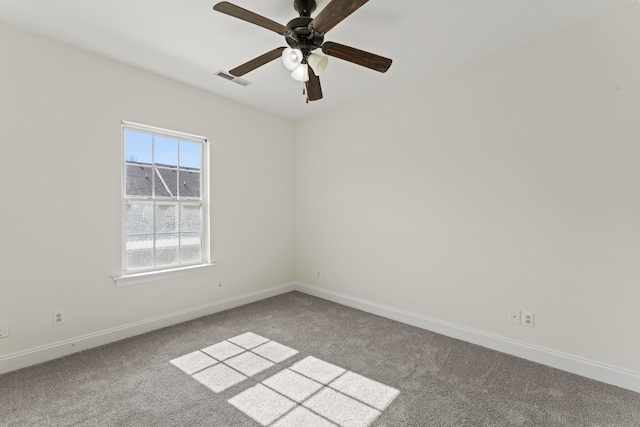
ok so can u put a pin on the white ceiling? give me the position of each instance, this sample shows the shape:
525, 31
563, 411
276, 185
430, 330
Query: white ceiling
187, 41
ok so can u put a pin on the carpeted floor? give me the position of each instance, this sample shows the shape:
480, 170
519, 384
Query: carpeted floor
301, 361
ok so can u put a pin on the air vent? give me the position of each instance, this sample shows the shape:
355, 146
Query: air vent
234, 79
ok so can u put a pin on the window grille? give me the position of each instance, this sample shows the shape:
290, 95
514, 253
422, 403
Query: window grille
165, 208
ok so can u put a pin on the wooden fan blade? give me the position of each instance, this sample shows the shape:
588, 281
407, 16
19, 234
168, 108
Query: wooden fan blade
257, 62
334, 13
314, 91
357, 56
246, 15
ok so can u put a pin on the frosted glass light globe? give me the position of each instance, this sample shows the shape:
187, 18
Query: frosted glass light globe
291, 58
301, 73
317, 63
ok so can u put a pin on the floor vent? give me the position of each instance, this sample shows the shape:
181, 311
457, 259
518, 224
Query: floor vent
234, 79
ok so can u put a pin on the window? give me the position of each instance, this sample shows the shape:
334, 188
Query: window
165, 206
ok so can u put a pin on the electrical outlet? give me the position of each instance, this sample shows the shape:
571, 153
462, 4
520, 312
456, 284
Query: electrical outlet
514, 316
219, 283
58, 317
528, 318
4, 329
318, 274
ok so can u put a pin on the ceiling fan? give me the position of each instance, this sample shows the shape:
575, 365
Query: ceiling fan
303, 35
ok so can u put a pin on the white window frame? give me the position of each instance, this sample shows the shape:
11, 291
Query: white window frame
132, 277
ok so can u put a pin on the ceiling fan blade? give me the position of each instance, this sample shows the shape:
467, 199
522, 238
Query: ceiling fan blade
246, 15
257, 62
357, 56
314, 90
334, 13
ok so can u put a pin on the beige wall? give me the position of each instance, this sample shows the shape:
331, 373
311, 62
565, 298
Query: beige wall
60, 114
509, 182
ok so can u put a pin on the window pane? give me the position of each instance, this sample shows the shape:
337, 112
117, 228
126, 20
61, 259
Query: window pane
164, 205
166, 218
166, 249
139, 252
190, 153
139, 218
190, 248
139, 180
165, 151
138, 147
166, 182
189, 183
190, 218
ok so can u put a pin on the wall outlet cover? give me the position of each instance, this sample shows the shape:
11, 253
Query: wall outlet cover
58, 317
528, 319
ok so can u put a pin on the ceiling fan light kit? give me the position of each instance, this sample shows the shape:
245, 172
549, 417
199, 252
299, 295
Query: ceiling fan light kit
303, 35
301, 73
292, 58
318, 63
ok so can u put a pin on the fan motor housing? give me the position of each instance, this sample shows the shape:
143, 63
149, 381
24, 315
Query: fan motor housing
303, 37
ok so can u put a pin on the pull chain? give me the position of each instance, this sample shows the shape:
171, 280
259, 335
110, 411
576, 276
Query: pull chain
304, 91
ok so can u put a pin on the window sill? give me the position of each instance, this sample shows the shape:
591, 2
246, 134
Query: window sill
152, 276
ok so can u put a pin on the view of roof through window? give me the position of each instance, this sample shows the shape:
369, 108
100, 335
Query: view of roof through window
163, 200
160, 166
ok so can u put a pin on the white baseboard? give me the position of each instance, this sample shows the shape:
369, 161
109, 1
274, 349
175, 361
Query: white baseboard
48, 352
576, 365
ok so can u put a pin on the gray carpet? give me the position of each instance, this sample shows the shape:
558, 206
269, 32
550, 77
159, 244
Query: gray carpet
347, 368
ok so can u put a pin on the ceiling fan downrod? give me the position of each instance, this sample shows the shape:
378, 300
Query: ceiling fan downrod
304, 7
303, 37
